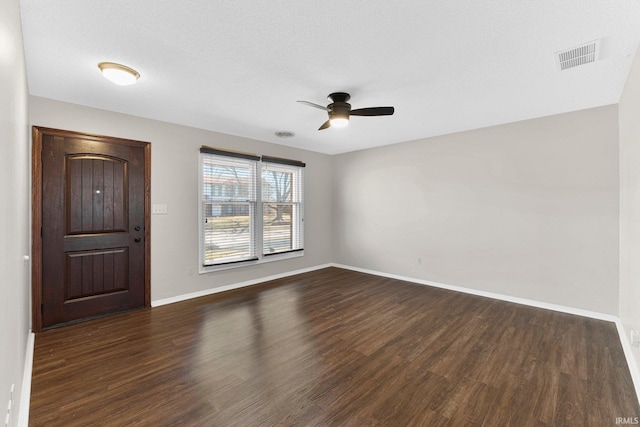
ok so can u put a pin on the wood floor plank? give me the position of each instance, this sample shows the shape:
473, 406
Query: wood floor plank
333, 347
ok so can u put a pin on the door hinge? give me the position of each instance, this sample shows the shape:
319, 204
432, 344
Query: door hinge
41, 309
41, 233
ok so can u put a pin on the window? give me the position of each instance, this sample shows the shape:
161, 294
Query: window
251, 208
282, 194
229, 203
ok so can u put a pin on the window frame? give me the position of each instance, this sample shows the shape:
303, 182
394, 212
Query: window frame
256, 212
297, 202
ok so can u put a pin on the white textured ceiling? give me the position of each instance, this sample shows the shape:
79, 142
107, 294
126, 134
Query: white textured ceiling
239, 66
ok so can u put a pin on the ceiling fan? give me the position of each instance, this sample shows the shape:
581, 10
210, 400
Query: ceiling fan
339, 110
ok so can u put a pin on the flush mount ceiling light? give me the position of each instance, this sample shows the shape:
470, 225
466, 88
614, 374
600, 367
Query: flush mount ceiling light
119, 74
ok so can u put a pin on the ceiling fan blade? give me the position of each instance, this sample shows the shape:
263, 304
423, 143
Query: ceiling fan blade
373, 111
311, 104
325, 125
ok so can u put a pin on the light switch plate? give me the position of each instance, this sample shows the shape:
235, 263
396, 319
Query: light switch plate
159, 209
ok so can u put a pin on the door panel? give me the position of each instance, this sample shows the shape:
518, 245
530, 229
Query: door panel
94, 226
98, 272
97, 187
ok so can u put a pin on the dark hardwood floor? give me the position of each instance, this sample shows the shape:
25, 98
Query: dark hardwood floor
333, 348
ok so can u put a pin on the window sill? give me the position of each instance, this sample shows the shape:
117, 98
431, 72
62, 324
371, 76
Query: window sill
263, 260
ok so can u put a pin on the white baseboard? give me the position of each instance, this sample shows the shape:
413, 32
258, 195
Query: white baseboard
502, 297
628, 353
232, 286
25, 393
624, 339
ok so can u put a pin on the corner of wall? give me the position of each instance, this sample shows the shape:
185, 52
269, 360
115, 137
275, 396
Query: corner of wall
629, 199
14, 217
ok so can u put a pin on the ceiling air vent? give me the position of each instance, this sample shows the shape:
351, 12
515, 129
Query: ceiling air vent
577, 56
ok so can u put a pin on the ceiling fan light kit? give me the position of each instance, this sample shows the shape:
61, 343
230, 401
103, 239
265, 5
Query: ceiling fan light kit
338, 121
339, 110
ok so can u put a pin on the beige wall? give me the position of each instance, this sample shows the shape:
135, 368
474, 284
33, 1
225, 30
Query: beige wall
629, 116
174, 182
14, 208
527, 209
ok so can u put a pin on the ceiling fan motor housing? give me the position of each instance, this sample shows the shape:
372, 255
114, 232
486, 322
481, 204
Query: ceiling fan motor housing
339, 107
339, 97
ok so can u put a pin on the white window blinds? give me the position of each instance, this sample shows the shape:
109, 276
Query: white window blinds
282, 206
229, 205
251, 207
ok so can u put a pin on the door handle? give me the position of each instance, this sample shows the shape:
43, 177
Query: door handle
137, 240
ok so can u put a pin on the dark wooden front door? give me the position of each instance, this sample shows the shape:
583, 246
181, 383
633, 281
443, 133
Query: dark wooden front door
94, 225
